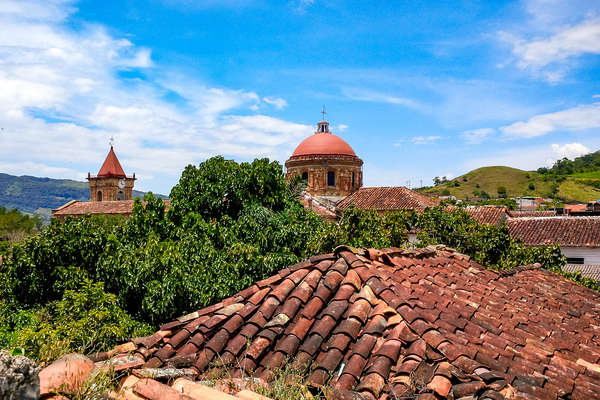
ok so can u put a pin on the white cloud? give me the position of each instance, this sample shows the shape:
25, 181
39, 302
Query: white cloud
278, 102
570, 150
475, 136
378, 97
425, 139
528, 158
548, 55
582, 117
61, 98
340, 127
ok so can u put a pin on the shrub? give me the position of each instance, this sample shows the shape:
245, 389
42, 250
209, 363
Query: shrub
85, 320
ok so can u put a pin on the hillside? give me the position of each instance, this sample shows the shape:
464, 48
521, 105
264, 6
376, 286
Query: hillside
39, 196
577, 187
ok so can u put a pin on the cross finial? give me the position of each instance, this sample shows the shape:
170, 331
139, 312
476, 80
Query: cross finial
323, 112
111, 141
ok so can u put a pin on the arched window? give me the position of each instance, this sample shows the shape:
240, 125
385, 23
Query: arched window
305, 176
99, 195
120, 195
353, 180
330, 178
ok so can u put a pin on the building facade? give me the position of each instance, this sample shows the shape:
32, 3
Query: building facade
327, 164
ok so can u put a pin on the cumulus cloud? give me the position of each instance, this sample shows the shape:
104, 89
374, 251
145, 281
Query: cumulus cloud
62, 97
548, 54
475, 136
582, 117
570, 150
277, 102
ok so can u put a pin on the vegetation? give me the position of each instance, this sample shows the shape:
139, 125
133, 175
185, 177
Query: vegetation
15, 227
488, 181
38, 196
88, 283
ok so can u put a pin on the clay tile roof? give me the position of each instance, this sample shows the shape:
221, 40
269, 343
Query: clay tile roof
111, 166
488, 214
587, 271
387, 199
122, 207
526, 213
312, 203
393, 323
563, 231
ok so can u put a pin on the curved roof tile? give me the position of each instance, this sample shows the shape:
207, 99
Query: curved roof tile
396, 323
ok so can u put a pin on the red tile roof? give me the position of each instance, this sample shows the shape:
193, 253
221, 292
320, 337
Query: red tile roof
575, 207
387, 199
111, 166
530, 213
587, 270
397, 323
488, 214
320, 208
563, 231
75, 207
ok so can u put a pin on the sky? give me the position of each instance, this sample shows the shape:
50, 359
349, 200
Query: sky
419, 89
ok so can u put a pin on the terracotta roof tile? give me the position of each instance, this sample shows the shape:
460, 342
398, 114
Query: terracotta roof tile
587, 271
487, 214
430, 323
387, 199
78, 208
563, 231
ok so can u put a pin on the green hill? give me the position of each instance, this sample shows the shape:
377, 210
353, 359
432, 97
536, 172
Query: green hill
576, 187
32, 195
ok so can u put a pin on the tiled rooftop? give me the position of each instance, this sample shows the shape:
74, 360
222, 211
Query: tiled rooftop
319, 207
564, 231
530, 213
587, 271
387, 199
396, 324
122, 207
487, 214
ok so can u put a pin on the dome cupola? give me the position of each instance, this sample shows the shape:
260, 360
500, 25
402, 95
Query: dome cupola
327, 163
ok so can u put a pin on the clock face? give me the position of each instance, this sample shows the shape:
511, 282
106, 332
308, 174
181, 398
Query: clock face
121, 183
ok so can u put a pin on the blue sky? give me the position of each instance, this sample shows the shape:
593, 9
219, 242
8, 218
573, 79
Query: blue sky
418, 89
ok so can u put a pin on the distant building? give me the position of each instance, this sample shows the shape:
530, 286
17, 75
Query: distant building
327, 164
577, 237
387, 199
111, 193
111, 183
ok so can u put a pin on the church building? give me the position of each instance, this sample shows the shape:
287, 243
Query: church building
111, 193
327, 163
111, 183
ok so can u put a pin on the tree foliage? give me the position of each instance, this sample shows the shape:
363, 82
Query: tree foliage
229, 225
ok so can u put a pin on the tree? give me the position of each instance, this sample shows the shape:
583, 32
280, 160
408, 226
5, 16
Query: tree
502, 192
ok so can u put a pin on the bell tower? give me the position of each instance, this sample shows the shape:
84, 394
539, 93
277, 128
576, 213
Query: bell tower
111, 183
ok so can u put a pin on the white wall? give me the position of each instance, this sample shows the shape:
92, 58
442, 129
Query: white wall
590, 255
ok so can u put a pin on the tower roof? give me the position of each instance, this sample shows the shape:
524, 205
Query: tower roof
111, 166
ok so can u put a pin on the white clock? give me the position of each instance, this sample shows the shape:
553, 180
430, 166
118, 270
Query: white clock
121, 183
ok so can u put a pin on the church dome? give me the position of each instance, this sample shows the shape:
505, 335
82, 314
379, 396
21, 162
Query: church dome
323, 142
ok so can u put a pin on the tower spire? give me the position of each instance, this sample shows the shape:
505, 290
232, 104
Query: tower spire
323, 112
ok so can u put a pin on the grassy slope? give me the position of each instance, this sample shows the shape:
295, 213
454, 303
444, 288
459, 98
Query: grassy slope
517, 183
